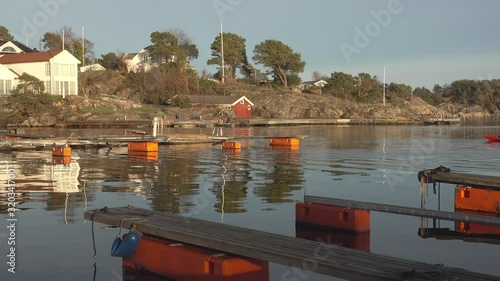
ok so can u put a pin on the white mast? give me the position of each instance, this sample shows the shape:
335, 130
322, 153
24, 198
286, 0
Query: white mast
83, 46
63, 38
222, 50
383, 98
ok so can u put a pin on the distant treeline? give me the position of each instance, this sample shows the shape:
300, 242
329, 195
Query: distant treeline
365, 88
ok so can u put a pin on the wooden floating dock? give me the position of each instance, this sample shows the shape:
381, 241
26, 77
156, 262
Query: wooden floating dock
473, 180
408, 211
328, 259
442, 121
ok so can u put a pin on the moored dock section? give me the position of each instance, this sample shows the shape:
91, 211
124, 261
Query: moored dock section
473, 192
445, 175
302, 254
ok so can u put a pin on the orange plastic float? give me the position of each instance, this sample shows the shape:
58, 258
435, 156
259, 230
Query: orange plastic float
186, 262
284, 142
61, 151
334, 217
477, 199
231, 145
143, 146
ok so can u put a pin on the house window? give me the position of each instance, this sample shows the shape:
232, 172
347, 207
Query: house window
56, 88
242, 101
47, 69
72, 88
8, 86
8, 50
65, 70
55, 68
72, 70
66, 88
2, 87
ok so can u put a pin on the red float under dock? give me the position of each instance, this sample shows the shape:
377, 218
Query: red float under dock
333, 217
190, 263
477, 199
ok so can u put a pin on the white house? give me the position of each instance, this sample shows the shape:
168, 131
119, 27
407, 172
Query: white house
58, 70
92, 67
318, 83
13, 47
140, 61
8, 80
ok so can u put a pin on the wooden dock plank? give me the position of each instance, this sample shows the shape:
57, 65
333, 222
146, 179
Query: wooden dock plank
490, 182
323, 258
408, 211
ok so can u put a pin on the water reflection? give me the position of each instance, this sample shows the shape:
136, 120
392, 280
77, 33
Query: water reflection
283, 175
231, 190
40, 178
468, 232
246, 184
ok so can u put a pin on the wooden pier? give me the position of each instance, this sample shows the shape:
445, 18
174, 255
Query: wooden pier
400, 210
327, 259
473, 180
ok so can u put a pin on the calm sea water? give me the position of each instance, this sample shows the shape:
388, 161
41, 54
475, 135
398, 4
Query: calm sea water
254, 188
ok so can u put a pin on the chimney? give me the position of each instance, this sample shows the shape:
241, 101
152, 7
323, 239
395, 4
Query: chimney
1, 38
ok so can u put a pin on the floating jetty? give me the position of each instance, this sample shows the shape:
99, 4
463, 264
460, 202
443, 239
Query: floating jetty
442, 121
33, 142
327, 259
21, 142
444, 175
401, 210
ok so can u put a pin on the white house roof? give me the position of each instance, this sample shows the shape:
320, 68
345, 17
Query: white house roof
17, 46
92, 67
6, 73
36, 57
217, 100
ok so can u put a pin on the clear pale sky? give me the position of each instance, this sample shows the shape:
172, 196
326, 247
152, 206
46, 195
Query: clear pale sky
420, 42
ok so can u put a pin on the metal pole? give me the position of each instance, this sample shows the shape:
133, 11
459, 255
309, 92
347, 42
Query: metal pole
383, 97
222, 51
83, 46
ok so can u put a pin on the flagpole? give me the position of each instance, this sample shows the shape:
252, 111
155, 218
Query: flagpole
222, 52
83, 46
383, 98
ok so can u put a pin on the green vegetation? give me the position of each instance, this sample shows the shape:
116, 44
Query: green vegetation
484, 93
29, 97
113, 61
29, 84
172, 77
235, 54
5, 34
280, 58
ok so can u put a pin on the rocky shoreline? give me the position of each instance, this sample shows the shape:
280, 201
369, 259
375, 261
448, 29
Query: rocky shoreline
287, 107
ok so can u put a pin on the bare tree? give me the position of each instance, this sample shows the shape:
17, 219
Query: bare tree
318, 76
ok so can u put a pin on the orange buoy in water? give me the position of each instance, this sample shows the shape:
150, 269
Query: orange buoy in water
148, 146
284, 142
63, 151
231, 145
